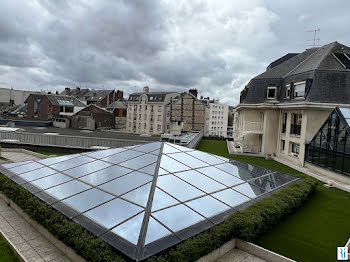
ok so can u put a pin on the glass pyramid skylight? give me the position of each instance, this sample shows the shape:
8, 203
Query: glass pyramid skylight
146, 198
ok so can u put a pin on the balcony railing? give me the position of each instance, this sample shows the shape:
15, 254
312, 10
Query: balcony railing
295, 129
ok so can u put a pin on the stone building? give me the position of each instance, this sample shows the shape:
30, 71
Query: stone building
92, 117
217, 118
282, 109
186, 113
147, 111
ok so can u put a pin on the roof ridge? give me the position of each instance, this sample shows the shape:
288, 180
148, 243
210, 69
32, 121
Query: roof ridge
302, 62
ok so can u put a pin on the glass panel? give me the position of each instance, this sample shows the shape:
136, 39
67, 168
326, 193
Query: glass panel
126, 155
130, 230
229, 168
38, 173
220, 176
54, 160
169, 149
178, 188
178, 217
51, 181
189, 160
126, 183
162, 199
25, 168
339, 162
249, 190
140, 161
201, 181
155, 231
181, 148
207, 206
172, 165
149, 147
149, 169
105, 175
122, 210
161, 172
87, 168
345, 112
105, 153
139, 196
88, 199
72, 163
11, 165
67, 189
156, 152
206, 157
231, 197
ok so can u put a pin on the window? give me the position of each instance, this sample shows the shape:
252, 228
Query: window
140, 116
299, 90
61, 108
271, 92
295, 126
140, 107
152, 109
145, 116
284, 122
295, 147
159, 127
69, 109
159, 118
145, 107
287, 94
160, 108
145, 126
283, 145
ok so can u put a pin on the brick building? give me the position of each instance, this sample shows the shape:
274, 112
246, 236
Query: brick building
92, 117
119, 109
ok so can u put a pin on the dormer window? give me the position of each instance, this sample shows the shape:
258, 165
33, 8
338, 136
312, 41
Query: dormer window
299, 89
287, 94
271, 92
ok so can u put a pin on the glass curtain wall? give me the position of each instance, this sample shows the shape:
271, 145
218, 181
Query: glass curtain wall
330, 148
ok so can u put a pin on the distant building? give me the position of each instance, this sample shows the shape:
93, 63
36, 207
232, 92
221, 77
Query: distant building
16, 97
283, 109
101, 98
217, 118
146, 111
48, 106
92, 117
186, 112
119, 110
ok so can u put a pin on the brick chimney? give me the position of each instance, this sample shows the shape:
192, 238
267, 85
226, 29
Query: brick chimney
56, 92
77, 88
67, 89
194, 92
120, 95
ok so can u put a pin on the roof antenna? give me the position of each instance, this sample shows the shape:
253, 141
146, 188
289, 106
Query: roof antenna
316, 38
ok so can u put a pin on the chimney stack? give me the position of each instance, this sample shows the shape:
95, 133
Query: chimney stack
67, 89
194, 92
120, 95
77, 88
56, 92
146, 89
49, 93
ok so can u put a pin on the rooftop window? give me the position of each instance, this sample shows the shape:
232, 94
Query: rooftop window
299, 89
271, 92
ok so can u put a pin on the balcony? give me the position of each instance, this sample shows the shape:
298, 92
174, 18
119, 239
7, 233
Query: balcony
295, 129
253, 128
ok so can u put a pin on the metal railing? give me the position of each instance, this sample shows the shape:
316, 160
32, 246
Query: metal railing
65, 141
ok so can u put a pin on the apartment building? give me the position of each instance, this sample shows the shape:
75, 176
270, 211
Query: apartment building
217, 118
281, 110
146, 112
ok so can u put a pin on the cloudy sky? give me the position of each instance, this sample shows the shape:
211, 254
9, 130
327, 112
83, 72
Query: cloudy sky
215, 46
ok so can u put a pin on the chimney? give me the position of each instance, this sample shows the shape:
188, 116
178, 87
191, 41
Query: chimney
146, 89
49, 93
194, 92
67, 89
77, 88
56, 92
120, 95
201, 97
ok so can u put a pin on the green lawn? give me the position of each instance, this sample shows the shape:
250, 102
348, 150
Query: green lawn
315, 230
6, 253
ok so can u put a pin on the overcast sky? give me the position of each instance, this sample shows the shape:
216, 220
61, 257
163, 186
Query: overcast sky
215, 46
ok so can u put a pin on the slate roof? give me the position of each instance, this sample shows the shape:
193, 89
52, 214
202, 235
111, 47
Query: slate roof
62, 100
327, 80
87, 94
120, 103
156, 97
